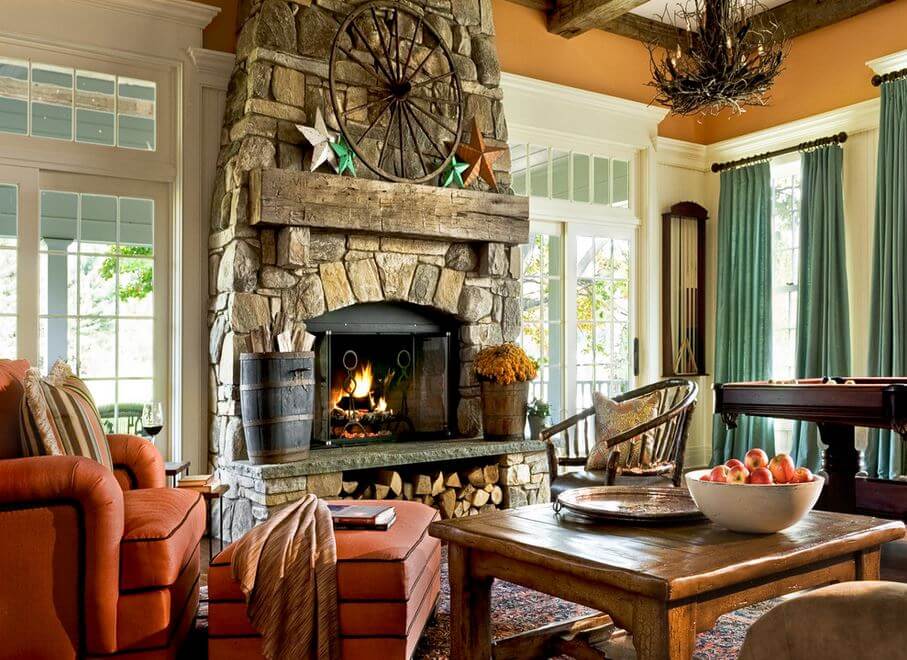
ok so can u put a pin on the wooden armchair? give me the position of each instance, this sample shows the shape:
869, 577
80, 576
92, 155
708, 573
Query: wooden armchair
570, 441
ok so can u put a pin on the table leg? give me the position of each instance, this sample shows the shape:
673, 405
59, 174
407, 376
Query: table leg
869, 564
664, 633
842, 462
470, 608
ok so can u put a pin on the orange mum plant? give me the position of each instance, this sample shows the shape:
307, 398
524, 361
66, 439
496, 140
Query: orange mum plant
505, 364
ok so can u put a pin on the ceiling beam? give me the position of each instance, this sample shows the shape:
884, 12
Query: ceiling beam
801, 16
648, 31
571, 18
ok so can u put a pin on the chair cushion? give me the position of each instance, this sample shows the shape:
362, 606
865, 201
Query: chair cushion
12, 375
59, 417
613, 418
162, 529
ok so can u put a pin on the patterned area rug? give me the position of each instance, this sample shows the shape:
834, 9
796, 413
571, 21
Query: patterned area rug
517, 609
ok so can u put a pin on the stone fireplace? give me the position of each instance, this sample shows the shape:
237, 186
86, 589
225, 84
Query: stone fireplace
347, 253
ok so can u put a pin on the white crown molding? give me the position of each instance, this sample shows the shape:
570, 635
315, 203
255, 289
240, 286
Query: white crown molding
889, 63
214, 67
855, 118
184, 12
592, 100
680, 153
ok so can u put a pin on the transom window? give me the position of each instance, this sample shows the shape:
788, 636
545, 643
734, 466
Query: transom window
43, 100
565, 175
97, 296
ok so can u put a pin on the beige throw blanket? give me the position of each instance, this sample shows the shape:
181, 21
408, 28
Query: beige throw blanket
287, 568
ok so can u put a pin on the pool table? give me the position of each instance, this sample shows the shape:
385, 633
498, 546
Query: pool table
836, 405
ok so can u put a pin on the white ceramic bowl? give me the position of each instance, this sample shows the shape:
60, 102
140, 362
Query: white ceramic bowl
753, 508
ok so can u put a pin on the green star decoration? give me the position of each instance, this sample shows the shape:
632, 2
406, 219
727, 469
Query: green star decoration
454, 173
345, 156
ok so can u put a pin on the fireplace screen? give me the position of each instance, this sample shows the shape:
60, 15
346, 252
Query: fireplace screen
383, 373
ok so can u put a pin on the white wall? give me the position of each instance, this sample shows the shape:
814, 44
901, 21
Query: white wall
680, 177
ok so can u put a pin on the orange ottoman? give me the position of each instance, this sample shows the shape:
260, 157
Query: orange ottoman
388, 585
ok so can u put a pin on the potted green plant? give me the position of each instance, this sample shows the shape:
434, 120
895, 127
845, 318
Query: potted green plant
504, 372
539, 411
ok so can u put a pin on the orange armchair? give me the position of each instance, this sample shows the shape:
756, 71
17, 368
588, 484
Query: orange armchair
93, 563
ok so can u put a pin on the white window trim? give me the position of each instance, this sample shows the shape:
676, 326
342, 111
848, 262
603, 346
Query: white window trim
158, 40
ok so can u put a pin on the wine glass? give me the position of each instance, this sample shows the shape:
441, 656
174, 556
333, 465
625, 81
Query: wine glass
153, 418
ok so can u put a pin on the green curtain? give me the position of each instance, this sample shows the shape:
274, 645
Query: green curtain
888, 311
823, 315
743, 325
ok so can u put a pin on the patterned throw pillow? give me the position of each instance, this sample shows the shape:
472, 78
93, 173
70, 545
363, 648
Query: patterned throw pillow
59, 417
613, 418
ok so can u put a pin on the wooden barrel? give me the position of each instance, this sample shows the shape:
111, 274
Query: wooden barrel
504, 410
276, 392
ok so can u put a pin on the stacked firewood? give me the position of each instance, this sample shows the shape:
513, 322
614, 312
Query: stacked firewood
455, 493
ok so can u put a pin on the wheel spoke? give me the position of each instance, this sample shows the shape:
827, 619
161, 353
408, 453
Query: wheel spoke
375, 121
365, 65
424, 62
384, 46
412, 134
435, 119
428, 100
440, 76
386, 74
412, 47
400, 129
387, 133
349, 111
421, 126
397, 43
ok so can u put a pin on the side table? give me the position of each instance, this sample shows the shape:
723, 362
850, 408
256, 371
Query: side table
210, 496
175, 468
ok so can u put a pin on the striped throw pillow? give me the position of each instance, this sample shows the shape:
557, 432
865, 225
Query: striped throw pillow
59, 417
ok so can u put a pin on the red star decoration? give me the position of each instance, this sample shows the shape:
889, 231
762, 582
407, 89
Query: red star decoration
480, 157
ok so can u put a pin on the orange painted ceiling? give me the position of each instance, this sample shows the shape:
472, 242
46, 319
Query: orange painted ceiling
825, 69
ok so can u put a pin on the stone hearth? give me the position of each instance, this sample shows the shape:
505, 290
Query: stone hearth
286, 241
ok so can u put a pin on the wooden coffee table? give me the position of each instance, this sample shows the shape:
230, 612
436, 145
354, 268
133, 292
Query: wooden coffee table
663, 584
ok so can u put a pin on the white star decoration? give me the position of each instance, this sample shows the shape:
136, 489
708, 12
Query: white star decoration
320, 139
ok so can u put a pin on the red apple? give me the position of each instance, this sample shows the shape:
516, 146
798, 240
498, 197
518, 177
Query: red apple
704, 477
719, 473
803, 475
755, 458
761, 477
782, 468
734, 462
738, 475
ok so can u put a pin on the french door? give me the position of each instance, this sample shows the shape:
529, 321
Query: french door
579, 317
84, 278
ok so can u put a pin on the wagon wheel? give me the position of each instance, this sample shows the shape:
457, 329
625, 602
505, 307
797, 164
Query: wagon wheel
395, 92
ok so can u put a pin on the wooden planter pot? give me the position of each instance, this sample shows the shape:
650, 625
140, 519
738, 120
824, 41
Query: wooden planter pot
504, 410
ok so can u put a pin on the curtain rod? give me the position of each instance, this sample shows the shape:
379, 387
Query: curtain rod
877, 80
838, 138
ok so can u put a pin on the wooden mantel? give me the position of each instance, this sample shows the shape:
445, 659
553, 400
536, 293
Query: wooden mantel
327, 201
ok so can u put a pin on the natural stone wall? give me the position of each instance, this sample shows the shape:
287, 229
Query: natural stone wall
256, 494
256, 272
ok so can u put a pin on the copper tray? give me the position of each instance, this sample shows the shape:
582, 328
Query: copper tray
631, 503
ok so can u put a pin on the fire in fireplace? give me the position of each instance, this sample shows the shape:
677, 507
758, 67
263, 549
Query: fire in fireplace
384, 372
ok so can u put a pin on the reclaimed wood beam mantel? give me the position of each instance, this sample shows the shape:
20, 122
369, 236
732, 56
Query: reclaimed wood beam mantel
572, 18
328, 201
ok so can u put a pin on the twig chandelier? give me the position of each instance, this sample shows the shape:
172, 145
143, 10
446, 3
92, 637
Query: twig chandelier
728, 57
